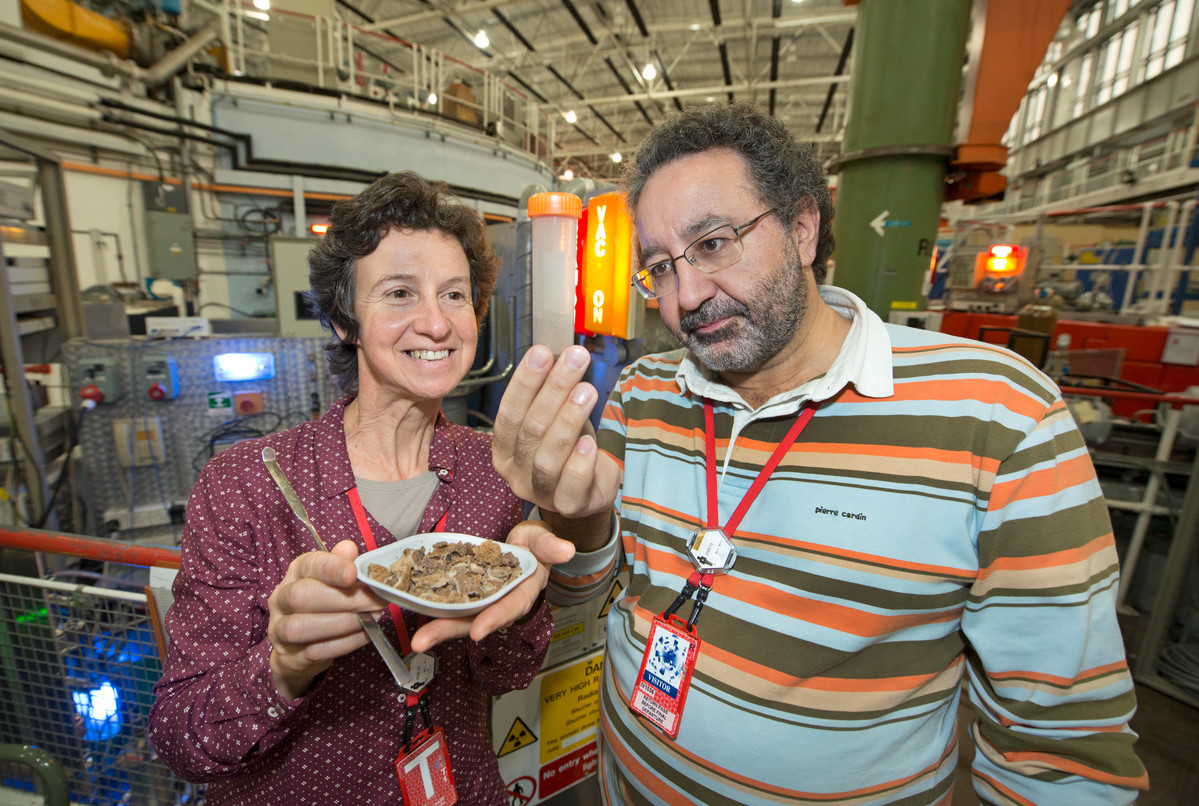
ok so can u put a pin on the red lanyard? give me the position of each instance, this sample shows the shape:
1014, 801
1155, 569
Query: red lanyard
368, 537
711, 548
671, 648
763, 474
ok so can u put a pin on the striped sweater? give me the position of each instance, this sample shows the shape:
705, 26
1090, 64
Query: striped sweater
938, 519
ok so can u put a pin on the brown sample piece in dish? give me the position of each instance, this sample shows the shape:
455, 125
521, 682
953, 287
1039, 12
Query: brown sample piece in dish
450, 573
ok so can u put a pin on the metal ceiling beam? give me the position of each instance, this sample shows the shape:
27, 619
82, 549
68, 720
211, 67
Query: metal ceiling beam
621, 80
728, 28
636, 12
574, 12
764, 23
504, 21
828, 101
776, 11
569, 44
744, 86
435, 14
666, 79
579, 95
582, 153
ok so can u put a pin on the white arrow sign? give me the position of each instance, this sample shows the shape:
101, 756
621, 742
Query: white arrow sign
880, 222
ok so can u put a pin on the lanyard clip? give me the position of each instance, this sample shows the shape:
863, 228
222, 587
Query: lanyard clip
697, 581
704, 589
692, 583
414, 702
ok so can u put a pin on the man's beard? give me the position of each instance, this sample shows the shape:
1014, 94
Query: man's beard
757, 330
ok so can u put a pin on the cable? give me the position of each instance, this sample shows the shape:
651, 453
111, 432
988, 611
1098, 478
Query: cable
1179, 663
96, 577
227, 307
137, 258
275, 220
150, 147
162, 497
15, 438
243, 427
132, 444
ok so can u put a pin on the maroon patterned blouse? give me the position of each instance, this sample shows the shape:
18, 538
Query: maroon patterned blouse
217, 717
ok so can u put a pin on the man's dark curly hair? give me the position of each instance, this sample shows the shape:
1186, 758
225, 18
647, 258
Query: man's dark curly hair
401, 200
787, 174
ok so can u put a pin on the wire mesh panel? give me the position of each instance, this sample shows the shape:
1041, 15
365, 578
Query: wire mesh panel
79, 665
142, 454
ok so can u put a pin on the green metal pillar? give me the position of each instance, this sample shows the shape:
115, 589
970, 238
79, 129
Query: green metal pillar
907, 67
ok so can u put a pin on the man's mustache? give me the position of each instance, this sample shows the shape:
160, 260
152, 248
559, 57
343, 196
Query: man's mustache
711, 311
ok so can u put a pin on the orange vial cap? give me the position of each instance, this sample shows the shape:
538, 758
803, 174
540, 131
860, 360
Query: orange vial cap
565, 204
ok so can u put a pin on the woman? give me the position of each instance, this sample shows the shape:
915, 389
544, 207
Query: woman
270, 692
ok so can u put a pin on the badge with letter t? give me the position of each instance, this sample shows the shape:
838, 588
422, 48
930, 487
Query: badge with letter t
424, 771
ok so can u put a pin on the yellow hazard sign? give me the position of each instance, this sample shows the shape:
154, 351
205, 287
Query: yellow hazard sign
570, 707
612, 594
519, 735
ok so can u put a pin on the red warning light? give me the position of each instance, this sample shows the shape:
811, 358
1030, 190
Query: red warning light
1002, 258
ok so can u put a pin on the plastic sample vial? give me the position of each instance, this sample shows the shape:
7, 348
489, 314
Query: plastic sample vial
555, 267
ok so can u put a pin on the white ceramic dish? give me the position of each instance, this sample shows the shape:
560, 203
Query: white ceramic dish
386, 555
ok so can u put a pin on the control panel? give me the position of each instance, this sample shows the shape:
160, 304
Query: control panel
160, 377
167, 411
98, 380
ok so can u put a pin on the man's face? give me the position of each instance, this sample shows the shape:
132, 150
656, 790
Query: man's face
736, 319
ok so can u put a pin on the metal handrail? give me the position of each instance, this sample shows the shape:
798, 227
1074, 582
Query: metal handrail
67, 587
96, 548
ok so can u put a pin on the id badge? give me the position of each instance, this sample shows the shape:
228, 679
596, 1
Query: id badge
424, 771
665, 677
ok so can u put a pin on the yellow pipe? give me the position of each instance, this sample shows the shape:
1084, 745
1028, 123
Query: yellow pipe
62, 19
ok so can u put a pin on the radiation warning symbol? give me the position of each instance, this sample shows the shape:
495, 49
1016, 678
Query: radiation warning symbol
612, 594
519, 735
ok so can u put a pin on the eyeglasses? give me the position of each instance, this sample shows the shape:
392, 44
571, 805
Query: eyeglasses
708, 253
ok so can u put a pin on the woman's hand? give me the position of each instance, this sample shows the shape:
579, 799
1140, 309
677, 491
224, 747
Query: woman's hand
313, 616
517, 603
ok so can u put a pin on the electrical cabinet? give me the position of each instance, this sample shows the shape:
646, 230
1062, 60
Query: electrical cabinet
289, 268
171, 241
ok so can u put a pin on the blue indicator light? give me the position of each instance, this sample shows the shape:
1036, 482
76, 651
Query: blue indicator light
243, 366
101, 712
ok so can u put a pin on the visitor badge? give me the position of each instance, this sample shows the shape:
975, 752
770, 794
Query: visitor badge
665, 676
424, 771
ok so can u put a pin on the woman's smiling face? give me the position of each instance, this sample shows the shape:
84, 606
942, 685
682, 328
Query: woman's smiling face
416, 320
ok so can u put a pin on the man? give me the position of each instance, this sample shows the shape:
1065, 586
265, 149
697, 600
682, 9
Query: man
937, 517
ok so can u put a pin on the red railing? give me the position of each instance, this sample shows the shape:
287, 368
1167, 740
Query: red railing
95, 548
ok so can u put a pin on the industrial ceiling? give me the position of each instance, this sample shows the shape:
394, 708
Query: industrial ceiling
589, 58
